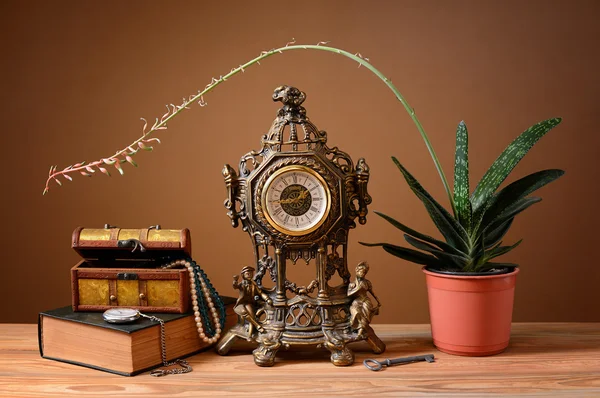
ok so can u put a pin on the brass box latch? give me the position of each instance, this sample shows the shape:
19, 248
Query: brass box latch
127, 276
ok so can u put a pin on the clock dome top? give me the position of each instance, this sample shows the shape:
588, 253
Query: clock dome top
292, 134
292, 130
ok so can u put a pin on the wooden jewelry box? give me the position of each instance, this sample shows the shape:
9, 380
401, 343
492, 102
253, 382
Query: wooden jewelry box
122, 268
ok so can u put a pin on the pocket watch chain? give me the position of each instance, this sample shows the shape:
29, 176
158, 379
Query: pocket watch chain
185, 367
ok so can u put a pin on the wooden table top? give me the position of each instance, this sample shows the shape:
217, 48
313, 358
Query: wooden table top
543, 359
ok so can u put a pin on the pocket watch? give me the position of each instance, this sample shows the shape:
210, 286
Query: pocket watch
296, 200
121, 315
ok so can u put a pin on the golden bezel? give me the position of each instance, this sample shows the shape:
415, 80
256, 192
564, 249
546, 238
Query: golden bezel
288, 169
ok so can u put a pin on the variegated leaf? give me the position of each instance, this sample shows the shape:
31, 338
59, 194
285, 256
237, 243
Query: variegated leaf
461, 177
507, 161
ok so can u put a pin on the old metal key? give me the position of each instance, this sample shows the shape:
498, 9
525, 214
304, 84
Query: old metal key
377, 365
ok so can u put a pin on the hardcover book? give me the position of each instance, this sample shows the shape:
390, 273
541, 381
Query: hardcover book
85, 339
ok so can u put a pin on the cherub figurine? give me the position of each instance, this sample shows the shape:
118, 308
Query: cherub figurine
249, 293
362, 309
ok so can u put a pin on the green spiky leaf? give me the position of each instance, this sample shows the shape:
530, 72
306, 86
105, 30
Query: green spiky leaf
477, 255
508, 159
442, 245
461, 177
404, 253
453, 232
513, 192
494, 236
511, 212
457, 261
446, 224
500, 250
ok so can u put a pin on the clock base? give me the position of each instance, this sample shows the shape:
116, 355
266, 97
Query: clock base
303, 321
269, 344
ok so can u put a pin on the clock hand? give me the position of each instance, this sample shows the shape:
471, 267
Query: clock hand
303, 194
283, 201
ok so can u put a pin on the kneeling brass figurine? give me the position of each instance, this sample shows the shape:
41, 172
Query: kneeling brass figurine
246, 302
362, 309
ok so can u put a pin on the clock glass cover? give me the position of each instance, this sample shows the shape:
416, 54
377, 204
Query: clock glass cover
296, 200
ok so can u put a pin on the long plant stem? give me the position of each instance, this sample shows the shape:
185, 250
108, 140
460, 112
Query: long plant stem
266, 54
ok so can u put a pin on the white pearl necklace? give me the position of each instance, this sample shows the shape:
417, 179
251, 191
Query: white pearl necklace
211, 305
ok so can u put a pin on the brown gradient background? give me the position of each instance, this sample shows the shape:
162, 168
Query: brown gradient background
78, 75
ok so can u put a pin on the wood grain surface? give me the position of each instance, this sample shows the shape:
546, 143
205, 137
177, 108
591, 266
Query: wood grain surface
543, 359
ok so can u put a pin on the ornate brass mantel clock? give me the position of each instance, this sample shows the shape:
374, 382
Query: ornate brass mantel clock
298, 198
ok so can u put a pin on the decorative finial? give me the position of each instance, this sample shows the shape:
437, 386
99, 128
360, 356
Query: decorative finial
292, 100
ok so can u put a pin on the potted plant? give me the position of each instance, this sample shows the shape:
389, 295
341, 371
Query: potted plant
471, 296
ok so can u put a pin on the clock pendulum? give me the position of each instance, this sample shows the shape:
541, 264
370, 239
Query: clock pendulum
298, 199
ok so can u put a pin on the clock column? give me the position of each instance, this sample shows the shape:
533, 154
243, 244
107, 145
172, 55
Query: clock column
321, 257
280, 287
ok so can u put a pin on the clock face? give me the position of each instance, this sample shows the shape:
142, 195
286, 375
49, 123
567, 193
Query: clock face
296, 200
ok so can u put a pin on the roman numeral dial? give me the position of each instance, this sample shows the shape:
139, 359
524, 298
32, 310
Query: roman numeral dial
296, 200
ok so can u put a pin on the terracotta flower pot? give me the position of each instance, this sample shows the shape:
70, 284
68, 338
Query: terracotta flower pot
470, 315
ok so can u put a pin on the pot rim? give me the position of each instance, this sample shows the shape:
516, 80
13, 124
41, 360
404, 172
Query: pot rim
471, 275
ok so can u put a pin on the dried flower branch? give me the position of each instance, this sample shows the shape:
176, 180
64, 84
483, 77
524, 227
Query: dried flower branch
126, 155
